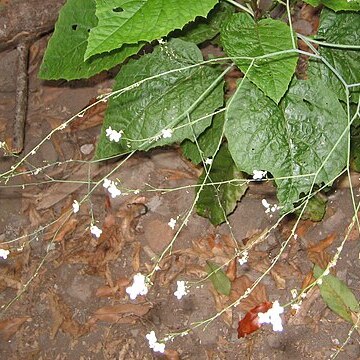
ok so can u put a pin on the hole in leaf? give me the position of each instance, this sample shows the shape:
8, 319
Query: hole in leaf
74, 27
88, 30
118, 9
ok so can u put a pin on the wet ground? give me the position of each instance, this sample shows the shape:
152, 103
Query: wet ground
62, 291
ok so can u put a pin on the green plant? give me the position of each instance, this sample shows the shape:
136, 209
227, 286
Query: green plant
297, 130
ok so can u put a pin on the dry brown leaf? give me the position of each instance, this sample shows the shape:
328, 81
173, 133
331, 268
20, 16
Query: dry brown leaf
231, 270
116, 289
66, 230
63, 318
92, 117
220, 304
238, 288
130, 215
317, 253
171, 355
121, 313
136, 257
196, 270
172, 174
58, 191
9, 327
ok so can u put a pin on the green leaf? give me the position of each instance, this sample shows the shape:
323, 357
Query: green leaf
242, 37
219, 200
207, 141
64, 56
202, 29
218, 278
337, 296
343, 29
292, 140
130, 21
315, 208
168, 101
336, 5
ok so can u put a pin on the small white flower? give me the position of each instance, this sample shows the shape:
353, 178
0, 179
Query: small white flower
269, 208
138, 287
154, 344
296, 306
258, 174
181, 289
166, 133
4, 253
244, 258
76, 206
113, 190
95, 231
106, 183
272, 316
172, 223
113, 135
208, 161
319, 281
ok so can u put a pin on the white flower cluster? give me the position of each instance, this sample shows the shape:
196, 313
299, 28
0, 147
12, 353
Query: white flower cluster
208, 161
113, 135
272, 316
181, 290
172, 223
111, 188
259, 175
4, 253
139, 287
244, 258
95, 231
154, 344
166, 133
76, 206
269, 208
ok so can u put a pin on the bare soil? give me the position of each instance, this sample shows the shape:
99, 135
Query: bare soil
62, 291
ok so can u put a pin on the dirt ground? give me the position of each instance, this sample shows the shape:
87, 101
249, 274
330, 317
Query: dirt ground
62, 291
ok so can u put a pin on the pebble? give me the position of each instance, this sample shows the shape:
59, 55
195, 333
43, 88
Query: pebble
87, 149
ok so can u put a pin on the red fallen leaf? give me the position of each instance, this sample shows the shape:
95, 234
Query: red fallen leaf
250, 322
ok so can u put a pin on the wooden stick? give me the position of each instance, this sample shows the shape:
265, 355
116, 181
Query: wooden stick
21, 97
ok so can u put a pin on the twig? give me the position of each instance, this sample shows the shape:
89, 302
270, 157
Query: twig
21, 97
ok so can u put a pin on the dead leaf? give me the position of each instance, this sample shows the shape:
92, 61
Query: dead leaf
9, 327
231, 270
257, 296
121, 313
92, 117
171, 355
136, 257
220, 303
66, 230
58, 191
63, 318
317, 253
250, 322
116, 289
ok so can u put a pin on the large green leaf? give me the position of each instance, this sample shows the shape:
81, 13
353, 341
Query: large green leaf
336, 5
205, 29
219, 200
130, 21
288, 141
343, 29
337, 296
168, 101
64, 56
218, 278
207, 141
242, 37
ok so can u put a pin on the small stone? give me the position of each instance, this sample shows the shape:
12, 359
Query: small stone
87, 149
